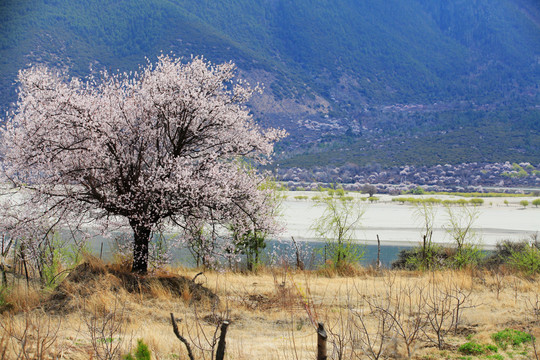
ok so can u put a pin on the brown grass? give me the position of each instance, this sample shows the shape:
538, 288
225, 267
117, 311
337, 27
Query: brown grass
272, 312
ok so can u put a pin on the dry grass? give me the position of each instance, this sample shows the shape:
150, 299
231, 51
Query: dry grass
272, 314
22, 296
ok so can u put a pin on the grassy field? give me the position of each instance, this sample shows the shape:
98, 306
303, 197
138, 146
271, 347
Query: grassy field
100, 311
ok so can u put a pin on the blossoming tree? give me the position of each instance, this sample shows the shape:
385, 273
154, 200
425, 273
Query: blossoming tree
151, 146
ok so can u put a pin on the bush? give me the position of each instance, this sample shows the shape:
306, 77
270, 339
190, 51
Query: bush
141, 352
495, 357
401, 200
434, 257
417, 191
476, 201
434, 201
503, 251
438, 257
469, 255
472, 348
511, 337
527, 260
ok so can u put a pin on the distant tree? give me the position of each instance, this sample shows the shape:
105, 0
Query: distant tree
201, 240
524, 203
158, 145
460, 227
369, 189
460, 224
536, 202
426, 213
251, 243
337, 225
417, 191
476, 201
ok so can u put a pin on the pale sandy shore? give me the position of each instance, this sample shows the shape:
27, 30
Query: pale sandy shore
397, 223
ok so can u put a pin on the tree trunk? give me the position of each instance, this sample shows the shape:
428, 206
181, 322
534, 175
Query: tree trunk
141, 238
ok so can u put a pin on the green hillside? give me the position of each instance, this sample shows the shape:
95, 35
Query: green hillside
344, 62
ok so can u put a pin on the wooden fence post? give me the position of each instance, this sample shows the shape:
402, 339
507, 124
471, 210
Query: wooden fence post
299, 262
378, 252
321, 342
220, 353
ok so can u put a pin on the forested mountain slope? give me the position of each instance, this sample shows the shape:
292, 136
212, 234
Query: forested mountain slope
390, 81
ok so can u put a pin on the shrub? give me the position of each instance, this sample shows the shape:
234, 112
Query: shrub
524, 203
527, 260
495, 357
438, 257
417, 191
469, 255
503, 252
434, 257
511, 337
476, 201
400, 199
473, 348
536, 202
141, 352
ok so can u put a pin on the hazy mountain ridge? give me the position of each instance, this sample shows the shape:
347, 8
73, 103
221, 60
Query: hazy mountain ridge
379, 72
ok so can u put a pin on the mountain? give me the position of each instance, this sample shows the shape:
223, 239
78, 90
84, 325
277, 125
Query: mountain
353, 81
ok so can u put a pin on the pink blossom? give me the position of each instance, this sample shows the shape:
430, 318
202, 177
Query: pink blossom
157, 145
